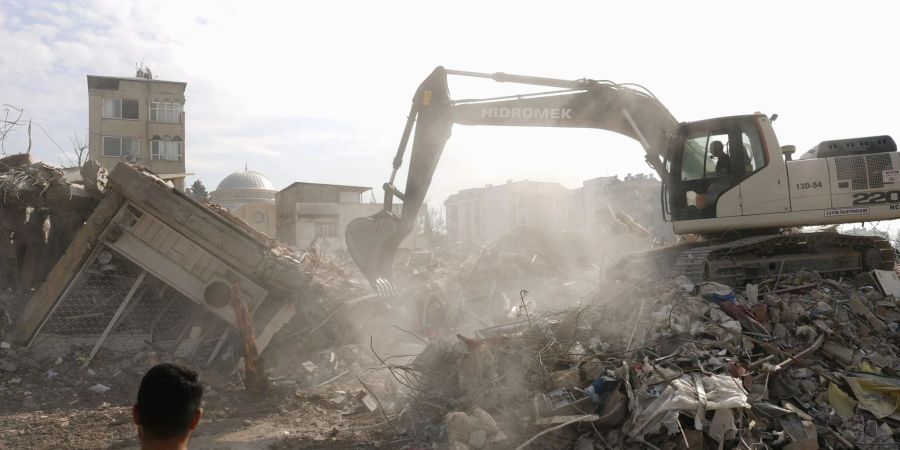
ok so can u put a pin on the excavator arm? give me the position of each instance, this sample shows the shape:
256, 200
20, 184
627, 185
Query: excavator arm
625, 109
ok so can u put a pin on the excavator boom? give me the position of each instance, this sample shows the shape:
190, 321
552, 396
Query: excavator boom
631, 111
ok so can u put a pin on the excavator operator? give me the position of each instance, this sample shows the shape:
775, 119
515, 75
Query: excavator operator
723, 161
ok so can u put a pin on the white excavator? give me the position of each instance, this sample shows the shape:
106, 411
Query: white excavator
726, 179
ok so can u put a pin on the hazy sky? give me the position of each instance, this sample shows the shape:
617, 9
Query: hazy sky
318, 91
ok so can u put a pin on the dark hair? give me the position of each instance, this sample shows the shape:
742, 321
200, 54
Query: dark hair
168, 400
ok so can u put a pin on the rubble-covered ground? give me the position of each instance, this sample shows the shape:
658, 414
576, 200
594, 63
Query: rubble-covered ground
512, 346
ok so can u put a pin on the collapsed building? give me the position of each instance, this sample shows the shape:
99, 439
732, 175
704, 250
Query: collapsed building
128, 261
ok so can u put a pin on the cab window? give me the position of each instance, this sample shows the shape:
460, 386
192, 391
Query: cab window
754, 153
699, 160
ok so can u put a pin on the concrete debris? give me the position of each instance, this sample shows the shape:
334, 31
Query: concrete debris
795, 364
309, 366
99, 388
7, 366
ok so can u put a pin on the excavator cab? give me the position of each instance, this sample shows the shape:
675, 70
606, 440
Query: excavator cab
699, 175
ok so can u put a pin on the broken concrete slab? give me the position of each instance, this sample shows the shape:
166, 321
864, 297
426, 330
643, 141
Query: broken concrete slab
150, 261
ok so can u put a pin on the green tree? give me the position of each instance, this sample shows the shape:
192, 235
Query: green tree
197, 191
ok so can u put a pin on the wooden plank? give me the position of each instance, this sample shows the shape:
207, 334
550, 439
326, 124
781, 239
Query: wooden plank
65, 269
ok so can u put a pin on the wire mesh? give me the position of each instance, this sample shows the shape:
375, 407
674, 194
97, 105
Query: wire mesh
157, 313
91, 302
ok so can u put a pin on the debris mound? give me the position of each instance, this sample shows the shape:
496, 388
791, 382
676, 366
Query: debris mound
801, 362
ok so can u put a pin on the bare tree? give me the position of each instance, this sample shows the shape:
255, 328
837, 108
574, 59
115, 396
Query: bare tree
79, 153
433, 226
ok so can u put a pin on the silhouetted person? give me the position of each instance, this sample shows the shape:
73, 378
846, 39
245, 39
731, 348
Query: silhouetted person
723, 163
168, 407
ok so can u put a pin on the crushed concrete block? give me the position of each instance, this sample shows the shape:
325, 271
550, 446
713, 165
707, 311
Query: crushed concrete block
339, 397
840, 353
370, 402
824, 308
860, 308
309, 366
478, 439
780, 331
99, 388
5, 345
7, 366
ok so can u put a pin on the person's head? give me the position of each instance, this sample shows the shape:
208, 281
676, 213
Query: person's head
168, 404
717, 149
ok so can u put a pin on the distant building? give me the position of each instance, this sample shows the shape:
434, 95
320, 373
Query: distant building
638, 196
250, 196
313, 212
487, 213
139, 120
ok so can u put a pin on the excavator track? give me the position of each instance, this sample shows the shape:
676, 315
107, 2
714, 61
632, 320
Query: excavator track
755, 258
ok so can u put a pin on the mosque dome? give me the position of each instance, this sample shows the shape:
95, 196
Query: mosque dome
243, 187
247, 179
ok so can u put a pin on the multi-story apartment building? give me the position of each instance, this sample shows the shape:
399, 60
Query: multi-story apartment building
636, 195
487, 213
138, 120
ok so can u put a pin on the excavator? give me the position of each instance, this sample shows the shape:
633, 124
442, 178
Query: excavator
725, 179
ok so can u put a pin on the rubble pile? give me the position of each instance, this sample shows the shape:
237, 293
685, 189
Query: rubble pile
799, 363
40, 211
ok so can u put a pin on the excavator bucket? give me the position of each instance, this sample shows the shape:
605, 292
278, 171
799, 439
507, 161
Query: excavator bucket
368, 242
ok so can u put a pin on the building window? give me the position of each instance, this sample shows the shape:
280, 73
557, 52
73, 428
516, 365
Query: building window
166, 150
326, 229
165, 112
118, 147
116, 108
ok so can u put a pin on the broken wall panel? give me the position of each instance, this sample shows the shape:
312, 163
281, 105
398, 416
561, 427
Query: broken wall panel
183, 264
153, 268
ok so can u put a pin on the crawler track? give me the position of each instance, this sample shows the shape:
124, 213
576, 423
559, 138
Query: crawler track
754, 258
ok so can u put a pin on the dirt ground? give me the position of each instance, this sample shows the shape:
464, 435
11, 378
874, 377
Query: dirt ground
283, 418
